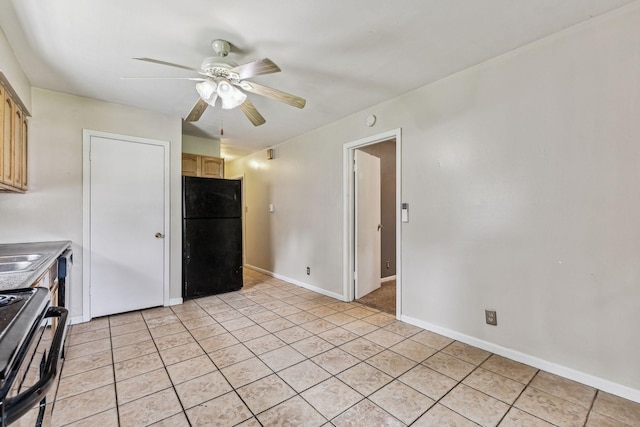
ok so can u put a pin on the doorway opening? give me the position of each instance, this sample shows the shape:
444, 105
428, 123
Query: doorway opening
372, 275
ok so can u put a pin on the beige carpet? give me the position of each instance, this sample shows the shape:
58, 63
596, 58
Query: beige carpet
383, 299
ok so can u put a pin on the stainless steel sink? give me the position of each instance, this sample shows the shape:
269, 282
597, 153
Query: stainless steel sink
19, 258
14, 267
18, 263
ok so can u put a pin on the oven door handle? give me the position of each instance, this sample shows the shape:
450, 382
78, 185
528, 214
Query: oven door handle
17, 406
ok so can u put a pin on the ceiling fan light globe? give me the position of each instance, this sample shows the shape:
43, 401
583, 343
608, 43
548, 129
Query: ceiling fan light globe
212, 100
224, 88
207, 91
231, 97
233, 101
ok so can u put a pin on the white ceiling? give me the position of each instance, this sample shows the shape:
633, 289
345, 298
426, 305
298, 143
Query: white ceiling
342, 56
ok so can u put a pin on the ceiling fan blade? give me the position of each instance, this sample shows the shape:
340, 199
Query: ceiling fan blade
195, 79
276, 94
256, 68
170, 64
252, 114
196, 112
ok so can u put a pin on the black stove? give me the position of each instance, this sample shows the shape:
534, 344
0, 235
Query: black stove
9, 299
24, 324
20, 310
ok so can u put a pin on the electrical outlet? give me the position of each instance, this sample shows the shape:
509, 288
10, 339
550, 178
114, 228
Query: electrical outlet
308, 271
388, 265
491, 317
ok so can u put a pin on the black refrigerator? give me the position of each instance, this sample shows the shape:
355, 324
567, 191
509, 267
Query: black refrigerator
211, 236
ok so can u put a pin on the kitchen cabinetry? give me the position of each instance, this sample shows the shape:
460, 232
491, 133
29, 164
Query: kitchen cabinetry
202, 166
14, 136
49, 280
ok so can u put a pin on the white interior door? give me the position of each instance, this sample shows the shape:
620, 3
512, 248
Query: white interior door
367, 223
127, 209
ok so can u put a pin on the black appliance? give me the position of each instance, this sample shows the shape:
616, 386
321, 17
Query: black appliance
65, 262
211, 236
29, 354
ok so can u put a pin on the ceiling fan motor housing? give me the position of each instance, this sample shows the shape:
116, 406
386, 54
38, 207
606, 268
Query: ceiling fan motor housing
217, 66
221, 47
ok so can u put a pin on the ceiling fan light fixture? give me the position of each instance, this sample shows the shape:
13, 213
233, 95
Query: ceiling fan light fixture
231, 97
222, 78
207, 91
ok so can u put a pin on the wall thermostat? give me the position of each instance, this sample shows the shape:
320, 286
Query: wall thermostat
371, 120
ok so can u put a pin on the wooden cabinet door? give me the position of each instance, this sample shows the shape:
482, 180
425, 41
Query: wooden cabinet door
24, 182
13, 142
212, 167
202, 166
190, 164
8, 144
2, 133
17, 147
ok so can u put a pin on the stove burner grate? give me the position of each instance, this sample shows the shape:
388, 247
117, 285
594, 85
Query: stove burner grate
8, 299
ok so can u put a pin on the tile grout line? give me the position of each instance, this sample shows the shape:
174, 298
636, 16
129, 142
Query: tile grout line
113, 370
335, 343
511, 406
297, 394
336, 326
108, 327
218, 368
405, 338
164, 365
593, 401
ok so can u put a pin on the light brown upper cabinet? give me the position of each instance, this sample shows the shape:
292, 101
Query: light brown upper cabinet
14, 136
202, 166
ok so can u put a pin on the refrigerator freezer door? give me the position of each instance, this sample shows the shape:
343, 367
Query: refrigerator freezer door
211, 198
212, 256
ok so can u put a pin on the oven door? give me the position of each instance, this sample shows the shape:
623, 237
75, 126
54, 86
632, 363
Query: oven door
30, 398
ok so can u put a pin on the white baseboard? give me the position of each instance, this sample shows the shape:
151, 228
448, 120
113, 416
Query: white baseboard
174, 301
76, 319
388, 279
554, 368
297, 282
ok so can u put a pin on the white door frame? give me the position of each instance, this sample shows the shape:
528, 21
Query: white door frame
87, 134
349, 215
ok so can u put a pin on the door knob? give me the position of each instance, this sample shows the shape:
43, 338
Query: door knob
159, 235
380, 227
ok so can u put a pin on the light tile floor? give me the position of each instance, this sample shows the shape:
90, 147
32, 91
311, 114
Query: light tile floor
275, 354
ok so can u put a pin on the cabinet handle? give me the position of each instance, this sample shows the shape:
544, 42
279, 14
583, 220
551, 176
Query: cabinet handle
159, 235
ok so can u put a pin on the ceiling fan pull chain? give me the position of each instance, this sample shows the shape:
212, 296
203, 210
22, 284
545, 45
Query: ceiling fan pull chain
221, 128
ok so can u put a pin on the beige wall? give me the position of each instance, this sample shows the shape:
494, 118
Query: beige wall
304, 183
11, 68
522, 178
52, 208
202, 146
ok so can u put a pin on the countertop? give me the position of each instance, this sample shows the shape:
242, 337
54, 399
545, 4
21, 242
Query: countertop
23, 279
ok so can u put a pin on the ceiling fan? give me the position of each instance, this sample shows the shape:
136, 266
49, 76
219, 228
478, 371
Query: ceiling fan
224, 80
